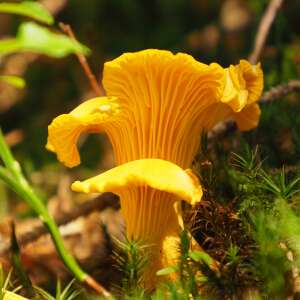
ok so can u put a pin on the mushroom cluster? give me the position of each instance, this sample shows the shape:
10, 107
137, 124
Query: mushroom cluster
156, 106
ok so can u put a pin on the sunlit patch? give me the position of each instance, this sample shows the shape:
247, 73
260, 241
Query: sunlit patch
105, 107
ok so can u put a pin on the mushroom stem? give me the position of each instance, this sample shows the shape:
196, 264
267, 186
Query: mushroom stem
151, 218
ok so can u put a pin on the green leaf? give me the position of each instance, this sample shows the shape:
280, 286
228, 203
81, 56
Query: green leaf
69, 292
4, 282
167, 271
201, 257
29, 9
14, 80
41, 40
17, 264
35, 38
44, 294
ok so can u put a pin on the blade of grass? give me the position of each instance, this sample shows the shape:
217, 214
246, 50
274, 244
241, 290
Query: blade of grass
17, 264
12, 175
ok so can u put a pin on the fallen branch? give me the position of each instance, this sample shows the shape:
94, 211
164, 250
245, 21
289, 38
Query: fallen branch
98, 204
263, 30
98, 89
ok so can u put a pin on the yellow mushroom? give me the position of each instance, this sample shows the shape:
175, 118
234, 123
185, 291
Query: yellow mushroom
157, 104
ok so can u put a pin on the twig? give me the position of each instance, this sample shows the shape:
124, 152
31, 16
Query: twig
91, 282
260, 40
66, 28
98, 204
263, 29
221, 129
275, 93
281, 90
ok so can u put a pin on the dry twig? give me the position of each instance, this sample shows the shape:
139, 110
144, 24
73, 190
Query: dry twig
281, 90
263, 29
98, 89
275, 93
98, 204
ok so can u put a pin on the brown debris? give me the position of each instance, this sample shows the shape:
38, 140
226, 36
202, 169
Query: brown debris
217, 228
37, 229
90, 239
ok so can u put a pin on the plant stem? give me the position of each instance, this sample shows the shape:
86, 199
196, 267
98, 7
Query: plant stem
12, 175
